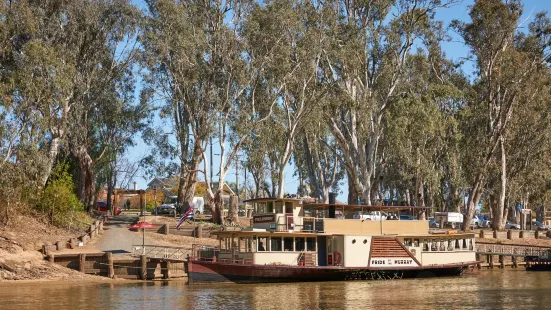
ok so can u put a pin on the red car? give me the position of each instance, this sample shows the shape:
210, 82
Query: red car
101, 206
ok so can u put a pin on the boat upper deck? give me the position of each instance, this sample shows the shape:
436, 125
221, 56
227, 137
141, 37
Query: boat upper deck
293, 215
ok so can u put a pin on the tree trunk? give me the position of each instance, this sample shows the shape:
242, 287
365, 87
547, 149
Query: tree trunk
218, 214
233, 215
503, 188
52, 156
472, 203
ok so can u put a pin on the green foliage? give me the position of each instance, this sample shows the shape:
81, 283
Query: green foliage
58, 201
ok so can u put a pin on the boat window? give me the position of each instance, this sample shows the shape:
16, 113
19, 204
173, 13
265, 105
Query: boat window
407, 242
262, 244
270, 206
278, 207
416, 242
288, 207
353, 241
261, 208
288, 244
276, 244
299, 244
365, 241
434, 245
310, 244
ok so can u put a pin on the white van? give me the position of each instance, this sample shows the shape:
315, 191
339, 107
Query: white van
451, 219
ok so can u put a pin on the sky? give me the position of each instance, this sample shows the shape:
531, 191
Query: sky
454, 49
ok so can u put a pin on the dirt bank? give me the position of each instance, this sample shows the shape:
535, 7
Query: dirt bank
20, 259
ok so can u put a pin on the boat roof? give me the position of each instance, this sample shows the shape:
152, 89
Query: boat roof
441, 235
383, 208
280, 199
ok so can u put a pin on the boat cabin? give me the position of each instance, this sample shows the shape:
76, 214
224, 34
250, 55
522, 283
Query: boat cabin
297, 233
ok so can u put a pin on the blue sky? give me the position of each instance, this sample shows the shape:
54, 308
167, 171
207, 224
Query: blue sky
454, 49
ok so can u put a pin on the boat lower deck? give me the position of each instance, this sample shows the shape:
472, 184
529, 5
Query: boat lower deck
206, 272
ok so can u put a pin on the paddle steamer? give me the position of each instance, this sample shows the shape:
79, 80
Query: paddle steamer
292, 240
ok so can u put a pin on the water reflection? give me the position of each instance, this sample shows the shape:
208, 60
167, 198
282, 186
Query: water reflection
497, 289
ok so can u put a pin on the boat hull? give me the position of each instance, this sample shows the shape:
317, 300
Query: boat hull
209, 272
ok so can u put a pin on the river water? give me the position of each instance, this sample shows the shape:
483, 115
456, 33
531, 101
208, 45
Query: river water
495, 289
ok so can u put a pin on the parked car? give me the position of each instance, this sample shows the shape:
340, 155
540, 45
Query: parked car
475, 221
510, 225
371, 216
451, 219
169, 205
101, 206
406, 218
540, 226
433, 224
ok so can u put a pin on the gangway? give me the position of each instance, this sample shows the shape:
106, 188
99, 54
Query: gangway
162, 252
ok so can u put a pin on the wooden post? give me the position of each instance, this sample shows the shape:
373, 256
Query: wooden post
110, 267
165, 266
51, 258
60, 245
143, 265
509, 235
491, 261
101, 227
537, 234
515, 264
481, 234
82, 262
164, 229
199, 231
501, 261
495, 234
521, 234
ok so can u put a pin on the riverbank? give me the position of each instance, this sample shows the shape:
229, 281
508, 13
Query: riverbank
20, 257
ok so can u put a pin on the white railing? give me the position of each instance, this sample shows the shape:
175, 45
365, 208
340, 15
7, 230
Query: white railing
156, 251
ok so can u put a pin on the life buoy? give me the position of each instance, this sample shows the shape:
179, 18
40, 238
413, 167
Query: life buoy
336, 258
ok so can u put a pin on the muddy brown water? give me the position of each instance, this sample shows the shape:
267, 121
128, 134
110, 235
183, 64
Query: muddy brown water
496, 289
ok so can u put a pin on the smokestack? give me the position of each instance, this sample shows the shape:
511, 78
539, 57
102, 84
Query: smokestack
332, 200
135, 186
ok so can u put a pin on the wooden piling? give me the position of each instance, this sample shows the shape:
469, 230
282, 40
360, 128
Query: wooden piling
51, 258
164, 229
165, 267
491, 261
199, 232
521, 234
481, 234
501, 261
61, 245
537, 234
111, 268
81, 262
143, 265
495, 234
509, 235
515, 263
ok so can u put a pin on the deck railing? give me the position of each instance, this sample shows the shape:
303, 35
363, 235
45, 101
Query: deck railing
156, 251
511, 249
204, 252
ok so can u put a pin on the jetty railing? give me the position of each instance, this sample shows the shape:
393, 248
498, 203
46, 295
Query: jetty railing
511, 249
157, 251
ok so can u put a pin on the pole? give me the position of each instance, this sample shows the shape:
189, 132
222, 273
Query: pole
245, 183
143, 228
155, 200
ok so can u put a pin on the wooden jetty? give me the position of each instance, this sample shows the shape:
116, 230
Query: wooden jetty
512, 255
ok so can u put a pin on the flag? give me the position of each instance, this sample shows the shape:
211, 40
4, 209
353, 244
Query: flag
187, 215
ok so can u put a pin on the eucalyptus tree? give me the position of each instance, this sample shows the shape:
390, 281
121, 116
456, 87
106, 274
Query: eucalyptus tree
317, 158
505, 65
371, 44
287, 35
